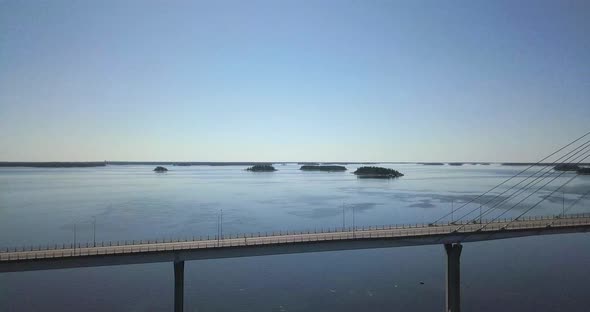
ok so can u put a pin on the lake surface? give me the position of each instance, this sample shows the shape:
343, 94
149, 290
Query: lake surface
40, 206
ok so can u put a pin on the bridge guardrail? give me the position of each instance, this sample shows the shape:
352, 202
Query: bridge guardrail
297, 237
267, 234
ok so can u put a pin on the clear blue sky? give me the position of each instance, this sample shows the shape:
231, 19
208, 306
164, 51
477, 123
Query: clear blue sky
292, 80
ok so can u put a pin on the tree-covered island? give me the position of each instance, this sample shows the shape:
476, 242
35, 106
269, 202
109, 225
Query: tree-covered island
261, 168
323, 168
377, 172
160, 169
566, 167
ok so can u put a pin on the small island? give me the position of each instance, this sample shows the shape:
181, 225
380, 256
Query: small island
566, 167
308, 163
323, 168
377, 172
455, 164
431, 164
160, 169
584, 170
261, 168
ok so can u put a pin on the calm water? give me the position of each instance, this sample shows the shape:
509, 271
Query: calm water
40, 206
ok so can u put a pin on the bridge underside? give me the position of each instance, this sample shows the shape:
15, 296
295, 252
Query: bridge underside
267, 250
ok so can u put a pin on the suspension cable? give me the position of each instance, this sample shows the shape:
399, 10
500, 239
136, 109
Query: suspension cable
575, 202
540, 201
512, 177
516, 193
538, 189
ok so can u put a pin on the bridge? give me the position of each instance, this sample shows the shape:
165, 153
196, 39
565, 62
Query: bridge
470, 226
452, 235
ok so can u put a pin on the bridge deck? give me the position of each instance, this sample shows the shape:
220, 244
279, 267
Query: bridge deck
404, 235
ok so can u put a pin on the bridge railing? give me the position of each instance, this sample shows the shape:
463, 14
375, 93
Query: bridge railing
259, 238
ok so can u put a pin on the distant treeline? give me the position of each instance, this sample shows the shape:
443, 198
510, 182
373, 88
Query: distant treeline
72, 164
187, 163
323, 168
452, 163
538, 164
53, 164
335, 163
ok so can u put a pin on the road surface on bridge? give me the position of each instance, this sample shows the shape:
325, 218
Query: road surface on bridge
461, 230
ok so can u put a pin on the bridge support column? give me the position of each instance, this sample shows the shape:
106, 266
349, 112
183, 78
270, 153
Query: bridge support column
453, 303
178, 286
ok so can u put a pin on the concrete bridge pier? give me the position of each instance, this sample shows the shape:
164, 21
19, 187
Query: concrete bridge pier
453, 302
178, 286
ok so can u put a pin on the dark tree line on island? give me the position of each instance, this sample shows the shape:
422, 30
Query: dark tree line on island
362, 172
261, 168
160, 169
322, 168
377, 172
572, 167
566, 167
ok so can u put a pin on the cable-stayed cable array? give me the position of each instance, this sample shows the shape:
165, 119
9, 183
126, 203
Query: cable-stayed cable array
576, 155
549, 174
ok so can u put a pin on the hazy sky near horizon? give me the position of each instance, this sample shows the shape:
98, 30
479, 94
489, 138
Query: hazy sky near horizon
292, 80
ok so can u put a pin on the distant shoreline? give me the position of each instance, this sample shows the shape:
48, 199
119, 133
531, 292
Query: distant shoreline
87, 164
53, 164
